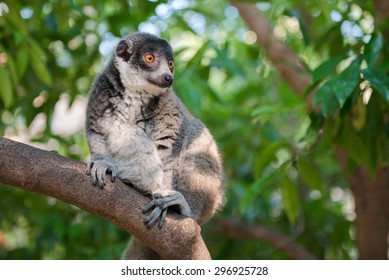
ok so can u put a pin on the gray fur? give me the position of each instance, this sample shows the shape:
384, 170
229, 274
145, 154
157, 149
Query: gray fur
139, 131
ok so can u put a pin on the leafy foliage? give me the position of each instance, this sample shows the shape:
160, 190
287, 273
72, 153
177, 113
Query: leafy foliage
279, 165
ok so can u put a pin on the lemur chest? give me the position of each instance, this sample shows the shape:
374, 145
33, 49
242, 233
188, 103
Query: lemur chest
126, 124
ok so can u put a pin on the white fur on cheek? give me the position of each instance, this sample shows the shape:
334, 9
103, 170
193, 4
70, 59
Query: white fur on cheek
133, 80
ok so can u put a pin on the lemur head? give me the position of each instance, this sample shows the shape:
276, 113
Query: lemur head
145, 62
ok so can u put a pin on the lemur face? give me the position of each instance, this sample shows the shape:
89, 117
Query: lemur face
145, 60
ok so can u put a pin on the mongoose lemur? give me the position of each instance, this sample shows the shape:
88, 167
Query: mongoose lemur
140, 132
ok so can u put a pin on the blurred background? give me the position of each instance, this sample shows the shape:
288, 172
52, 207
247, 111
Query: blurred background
305, 161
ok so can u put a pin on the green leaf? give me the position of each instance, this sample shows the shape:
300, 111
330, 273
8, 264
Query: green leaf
302, 24
36, 49
373, 49
375, 135
334, 93
192, 66
14, 18
196, 59
40, 69
353, 142
273, 108
253, 191
290, 199
310, 175
12, 68
38, 61
372, 156
5, 88
222, 60
189, 92
22, 60
344, 84
267, 156
208, 89
378, 80
326, 69
326, 95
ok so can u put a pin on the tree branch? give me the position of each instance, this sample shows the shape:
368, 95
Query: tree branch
381, 14
258, 232
48, 173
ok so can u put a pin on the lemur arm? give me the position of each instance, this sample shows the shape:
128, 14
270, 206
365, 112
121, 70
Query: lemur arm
101, 162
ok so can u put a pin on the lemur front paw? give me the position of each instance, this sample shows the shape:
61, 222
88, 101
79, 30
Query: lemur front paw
161, 202
97, 169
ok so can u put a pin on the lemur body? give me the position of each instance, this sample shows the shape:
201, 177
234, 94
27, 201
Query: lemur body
139, 131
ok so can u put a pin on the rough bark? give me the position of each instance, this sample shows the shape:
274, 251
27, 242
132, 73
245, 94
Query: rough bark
50, 174
371, 196
382, 13
260, 233
371, 207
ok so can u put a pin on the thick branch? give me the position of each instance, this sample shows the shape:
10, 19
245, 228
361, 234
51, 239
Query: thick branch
258, 232
284, 59
48, 173
382, 13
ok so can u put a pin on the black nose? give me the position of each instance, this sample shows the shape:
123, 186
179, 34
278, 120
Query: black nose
168, 78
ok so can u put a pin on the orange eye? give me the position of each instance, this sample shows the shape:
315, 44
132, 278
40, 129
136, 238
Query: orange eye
149, 58
171, 64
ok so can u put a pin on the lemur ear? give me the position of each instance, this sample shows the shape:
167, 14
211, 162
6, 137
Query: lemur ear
123, 50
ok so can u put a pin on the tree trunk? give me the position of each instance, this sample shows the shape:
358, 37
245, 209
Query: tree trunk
371, 207
372, 195
371, 198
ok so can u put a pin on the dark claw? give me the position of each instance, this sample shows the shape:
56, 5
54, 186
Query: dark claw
113, 177
94, 180
162, 219
112, 173
100, 184
88, 168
